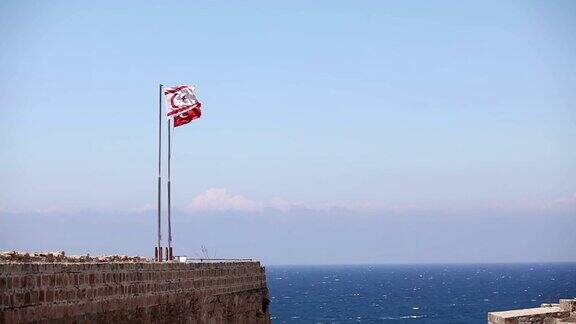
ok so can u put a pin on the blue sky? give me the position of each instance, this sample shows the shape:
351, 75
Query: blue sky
376, 112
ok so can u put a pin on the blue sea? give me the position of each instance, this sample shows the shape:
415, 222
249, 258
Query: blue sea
413, 293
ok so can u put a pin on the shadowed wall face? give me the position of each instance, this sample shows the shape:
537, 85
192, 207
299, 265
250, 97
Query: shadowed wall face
144, 292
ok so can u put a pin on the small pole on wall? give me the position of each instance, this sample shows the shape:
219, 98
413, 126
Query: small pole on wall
158, 252
169, 249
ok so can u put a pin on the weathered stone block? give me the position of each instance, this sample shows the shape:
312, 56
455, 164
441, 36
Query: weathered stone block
568, 304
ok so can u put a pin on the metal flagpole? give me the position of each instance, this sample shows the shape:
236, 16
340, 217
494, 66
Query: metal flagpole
159, 247
169, 251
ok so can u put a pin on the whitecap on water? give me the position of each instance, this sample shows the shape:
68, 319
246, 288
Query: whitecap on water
397, 318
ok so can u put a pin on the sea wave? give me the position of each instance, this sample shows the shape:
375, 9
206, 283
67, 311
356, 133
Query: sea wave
402, 317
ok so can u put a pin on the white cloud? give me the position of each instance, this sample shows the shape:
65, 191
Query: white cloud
571, 200
280, 204
568, 201
218, 199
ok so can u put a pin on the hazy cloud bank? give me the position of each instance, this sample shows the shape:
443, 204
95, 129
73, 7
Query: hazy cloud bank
220, 200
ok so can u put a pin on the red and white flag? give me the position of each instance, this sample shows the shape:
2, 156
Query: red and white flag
183, 105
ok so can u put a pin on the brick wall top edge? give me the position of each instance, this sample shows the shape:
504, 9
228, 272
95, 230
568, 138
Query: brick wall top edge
6, 268
517, 313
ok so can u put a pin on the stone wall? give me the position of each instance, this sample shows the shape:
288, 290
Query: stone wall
563, 312
224, 292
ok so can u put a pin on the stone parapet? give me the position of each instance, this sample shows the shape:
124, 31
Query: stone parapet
563, 312
217, 292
